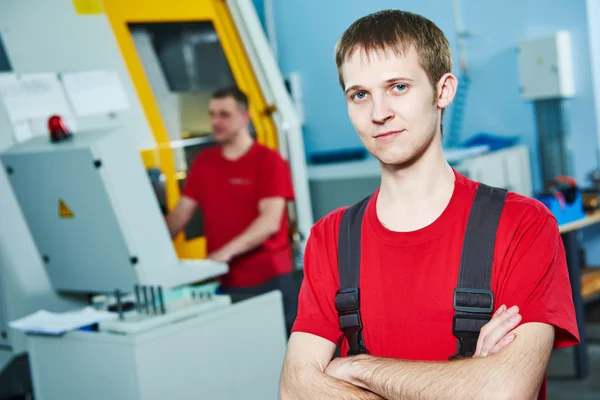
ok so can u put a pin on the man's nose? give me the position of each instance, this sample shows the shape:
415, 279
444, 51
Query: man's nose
382, 112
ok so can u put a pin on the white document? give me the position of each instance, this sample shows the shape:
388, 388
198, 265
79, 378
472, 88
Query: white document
33, 96
95, 92
50, 323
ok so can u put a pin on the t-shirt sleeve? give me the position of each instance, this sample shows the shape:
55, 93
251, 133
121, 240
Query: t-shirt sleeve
193, 185
535, 278
316, 302
275, 179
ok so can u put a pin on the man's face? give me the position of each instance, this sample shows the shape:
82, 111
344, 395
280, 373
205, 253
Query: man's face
227, 119
391, 104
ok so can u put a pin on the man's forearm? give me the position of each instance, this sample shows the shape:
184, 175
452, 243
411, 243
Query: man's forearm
475, 378
175, 223
259, 231
398, 379
309, 383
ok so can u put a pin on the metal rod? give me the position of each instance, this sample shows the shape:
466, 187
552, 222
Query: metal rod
119, 304
145, 291
138, 306
162, 300
153, 298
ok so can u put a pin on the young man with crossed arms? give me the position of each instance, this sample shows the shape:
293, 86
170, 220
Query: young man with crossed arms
396, 72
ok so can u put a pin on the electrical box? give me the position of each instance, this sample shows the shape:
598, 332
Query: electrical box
90, 207
545, 67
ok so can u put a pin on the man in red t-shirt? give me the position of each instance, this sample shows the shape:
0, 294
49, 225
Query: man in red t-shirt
242, 188
395, 70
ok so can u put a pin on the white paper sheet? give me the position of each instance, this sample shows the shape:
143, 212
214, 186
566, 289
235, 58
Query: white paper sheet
95, 92
33, 96
50, 323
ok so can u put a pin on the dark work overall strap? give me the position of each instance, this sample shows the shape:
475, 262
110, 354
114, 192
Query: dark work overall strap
473, 299
347, 299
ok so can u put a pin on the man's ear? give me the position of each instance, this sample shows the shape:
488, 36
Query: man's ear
446, 90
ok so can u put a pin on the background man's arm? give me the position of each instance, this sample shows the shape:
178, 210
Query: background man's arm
516, 372
266, 224
181, 215
303, 375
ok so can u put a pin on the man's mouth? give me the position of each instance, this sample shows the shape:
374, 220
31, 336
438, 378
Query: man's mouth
388, 135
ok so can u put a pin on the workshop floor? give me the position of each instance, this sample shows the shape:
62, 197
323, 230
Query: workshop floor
562, 385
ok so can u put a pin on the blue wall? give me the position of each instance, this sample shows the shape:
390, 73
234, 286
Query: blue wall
494, 103
307, 32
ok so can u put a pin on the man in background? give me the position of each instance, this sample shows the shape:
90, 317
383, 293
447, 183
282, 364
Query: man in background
242, 188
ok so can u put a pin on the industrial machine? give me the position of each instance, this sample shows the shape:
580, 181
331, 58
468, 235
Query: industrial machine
177, 54
89, 205
145, 72
157, 66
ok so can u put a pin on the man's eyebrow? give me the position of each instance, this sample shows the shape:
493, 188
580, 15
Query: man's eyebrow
351, 88
399, 78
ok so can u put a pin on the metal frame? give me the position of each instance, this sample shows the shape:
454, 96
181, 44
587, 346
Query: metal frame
286, 118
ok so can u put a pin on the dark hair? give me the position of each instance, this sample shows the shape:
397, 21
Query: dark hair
397, 30
239, 96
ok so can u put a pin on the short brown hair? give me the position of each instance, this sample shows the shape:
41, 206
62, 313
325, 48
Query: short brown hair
239, 96
397, 30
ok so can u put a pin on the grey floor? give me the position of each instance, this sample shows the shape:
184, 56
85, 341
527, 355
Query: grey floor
561, 381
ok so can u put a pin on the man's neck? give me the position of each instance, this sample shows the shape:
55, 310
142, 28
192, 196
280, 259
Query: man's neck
414, 196
237, 147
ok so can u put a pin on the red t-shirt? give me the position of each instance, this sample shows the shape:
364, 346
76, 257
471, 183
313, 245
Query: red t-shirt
228, 193
407, 278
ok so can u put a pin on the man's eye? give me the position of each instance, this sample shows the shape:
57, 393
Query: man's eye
359, 95
400, 87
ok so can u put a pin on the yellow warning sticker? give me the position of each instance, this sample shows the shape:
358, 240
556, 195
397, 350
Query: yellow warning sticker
63, 210
86, 7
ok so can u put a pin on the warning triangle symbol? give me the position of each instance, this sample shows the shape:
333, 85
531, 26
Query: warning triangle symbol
63, 210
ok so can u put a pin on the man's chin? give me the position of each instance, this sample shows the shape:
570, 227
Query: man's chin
220, 138
390, 159
396, 161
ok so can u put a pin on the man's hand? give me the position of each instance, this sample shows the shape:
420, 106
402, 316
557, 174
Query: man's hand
340, 368
303, 375
221, 255
497, 334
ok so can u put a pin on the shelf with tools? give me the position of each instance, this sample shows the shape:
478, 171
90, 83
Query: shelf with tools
142, 320
590, 285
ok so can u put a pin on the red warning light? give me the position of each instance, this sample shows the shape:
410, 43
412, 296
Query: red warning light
58, 129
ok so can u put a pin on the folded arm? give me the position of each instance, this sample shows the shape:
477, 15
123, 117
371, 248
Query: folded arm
303, 375
517, 372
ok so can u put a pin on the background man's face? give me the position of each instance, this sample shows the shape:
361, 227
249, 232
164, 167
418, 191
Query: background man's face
227, 119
